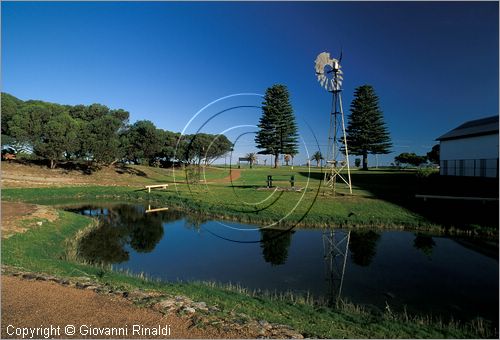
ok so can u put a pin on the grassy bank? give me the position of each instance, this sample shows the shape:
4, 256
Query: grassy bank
45, 249
380, 198
312, 208
222, 202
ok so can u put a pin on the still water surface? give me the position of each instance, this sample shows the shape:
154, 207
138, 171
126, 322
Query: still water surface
426, 274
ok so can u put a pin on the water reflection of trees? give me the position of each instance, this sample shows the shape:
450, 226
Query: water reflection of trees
121, 225
195, 221
103, 245
275, 244
363, 246
424, 243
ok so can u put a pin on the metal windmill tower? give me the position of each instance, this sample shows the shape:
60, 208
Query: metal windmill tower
330, 76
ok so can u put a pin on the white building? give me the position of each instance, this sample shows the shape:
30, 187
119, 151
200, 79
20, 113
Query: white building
471, 149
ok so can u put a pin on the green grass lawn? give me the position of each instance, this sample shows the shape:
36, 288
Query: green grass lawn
152, 175
380, 198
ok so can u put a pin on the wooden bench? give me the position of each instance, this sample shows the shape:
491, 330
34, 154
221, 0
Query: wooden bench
270, 180
162, 186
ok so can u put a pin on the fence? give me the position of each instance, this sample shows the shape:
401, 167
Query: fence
470, 167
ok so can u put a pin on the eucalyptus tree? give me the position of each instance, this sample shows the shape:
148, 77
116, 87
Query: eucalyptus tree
48, 128
142, 142
10, 108
204, 147
410, 158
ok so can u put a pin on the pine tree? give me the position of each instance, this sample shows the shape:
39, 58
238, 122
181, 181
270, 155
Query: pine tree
278, 130
366, 131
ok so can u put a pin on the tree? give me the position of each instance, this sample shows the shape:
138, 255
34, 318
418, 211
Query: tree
141, 142
78, 112
203, 147
104, 142
410, 158
10, 108
252, 158
100, 133
27, 126
366, 131
168, 145
288, 158
357, 162
317, 156
47, 128
433, 155
59, 138
278, 130
187, 149
218, 146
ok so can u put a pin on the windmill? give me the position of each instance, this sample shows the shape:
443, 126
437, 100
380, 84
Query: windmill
335, 242
330, 76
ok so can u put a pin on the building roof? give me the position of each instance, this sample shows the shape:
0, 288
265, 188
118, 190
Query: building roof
473, 128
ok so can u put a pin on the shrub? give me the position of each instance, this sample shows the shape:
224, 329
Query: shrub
425, 172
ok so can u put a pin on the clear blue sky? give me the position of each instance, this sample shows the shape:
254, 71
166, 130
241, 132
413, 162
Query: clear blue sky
434, 65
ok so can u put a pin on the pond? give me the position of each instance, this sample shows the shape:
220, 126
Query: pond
424, 274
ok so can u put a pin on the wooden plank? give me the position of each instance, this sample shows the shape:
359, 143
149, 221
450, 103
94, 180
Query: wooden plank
425, 197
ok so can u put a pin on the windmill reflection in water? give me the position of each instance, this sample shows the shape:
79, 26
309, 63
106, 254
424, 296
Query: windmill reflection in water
335, 247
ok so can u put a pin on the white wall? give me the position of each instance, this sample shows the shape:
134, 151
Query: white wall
475, 156
482, 147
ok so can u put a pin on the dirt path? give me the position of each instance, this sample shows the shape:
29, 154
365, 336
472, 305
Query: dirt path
233, 176
42, 303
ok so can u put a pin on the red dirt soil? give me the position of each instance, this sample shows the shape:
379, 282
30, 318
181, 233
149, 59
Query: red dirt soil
43, 303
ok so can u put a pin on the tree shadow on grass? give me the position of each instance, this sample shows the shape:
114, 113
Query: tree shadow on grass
248, 186
400, 188
124, 169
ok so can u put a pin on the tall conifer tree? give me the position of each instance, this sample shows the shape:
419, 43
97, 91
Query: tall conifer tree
278, 130
366, 130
